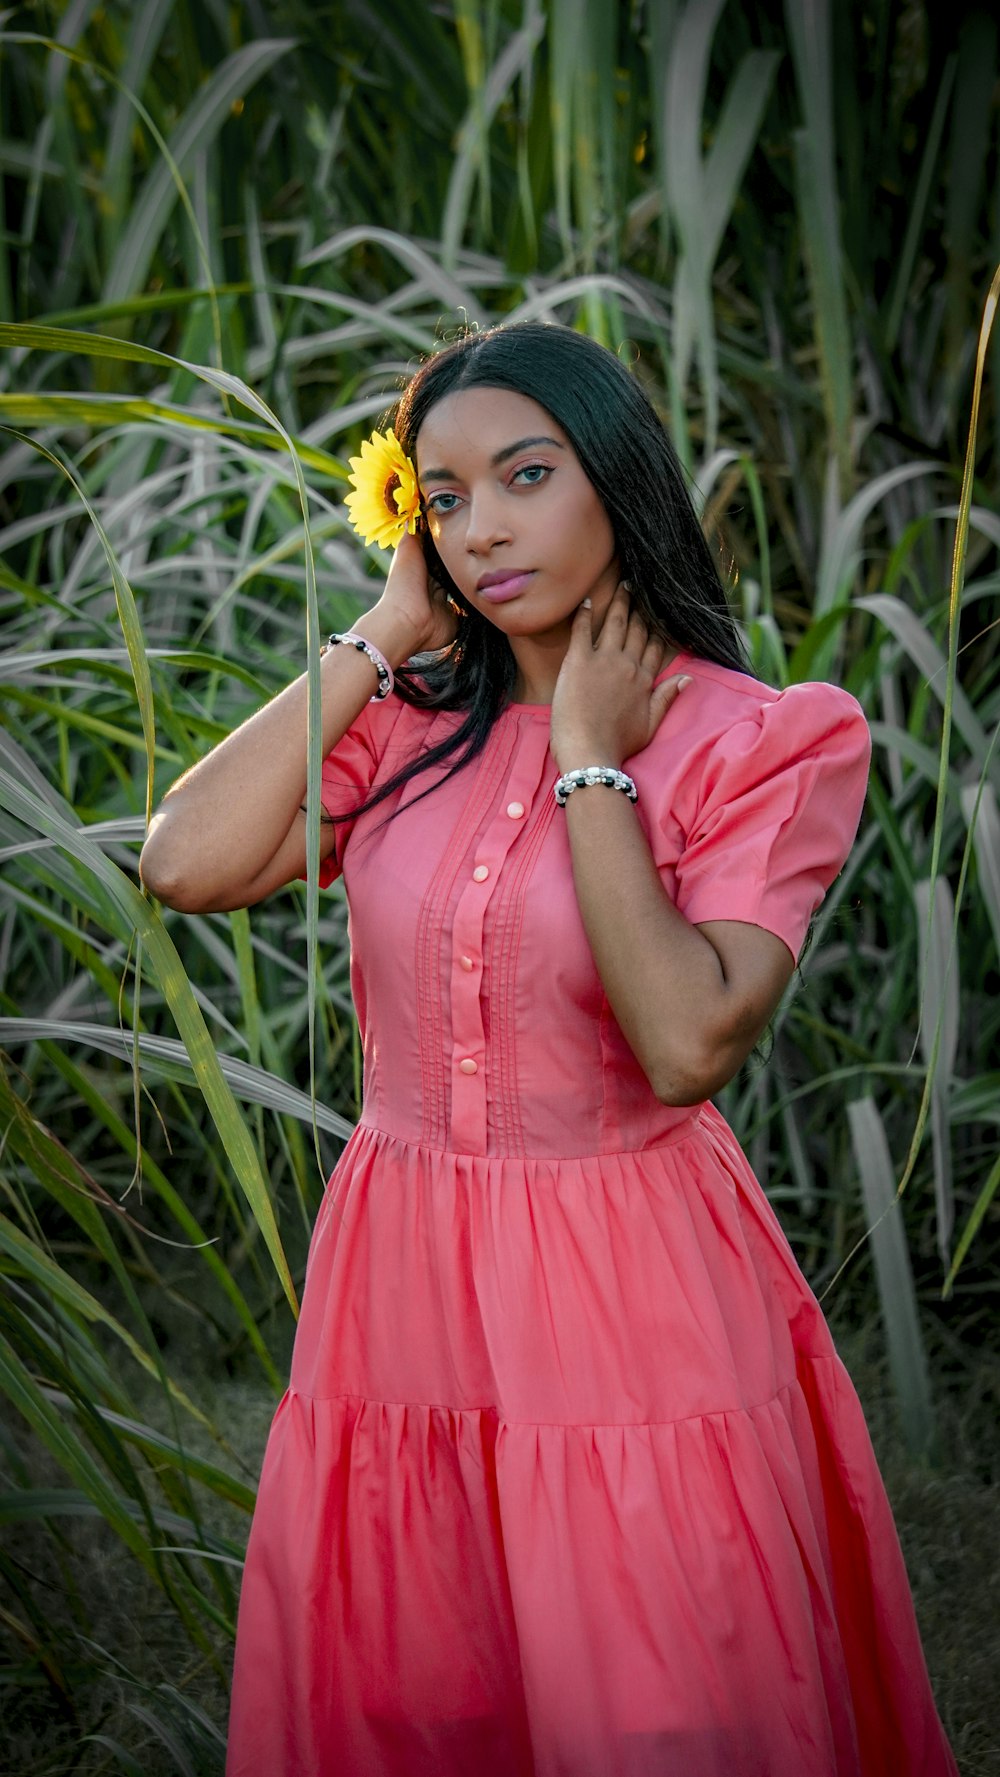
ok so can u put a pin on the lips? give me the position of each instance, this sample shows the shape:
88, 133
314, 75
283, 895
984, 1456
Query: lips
509, 584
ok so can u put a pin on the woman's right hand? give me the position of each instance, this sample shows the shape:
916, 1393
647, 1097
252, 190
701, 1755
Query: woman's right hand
413, 607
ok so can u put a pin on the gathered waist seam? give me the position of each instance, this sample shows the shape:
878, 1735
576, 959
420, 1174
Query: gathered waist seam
681, 1133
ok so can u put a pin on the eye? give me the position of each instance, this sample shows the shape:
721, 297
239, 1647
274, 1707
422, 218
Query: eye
535, 473
433, 502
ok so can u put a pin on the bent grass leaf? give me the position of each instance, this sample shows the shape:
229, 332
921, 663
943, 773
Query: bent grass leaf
976, 1218
226, 384
982, 815
44, 1156
919, 644
35, 1264
471, 145
112, 410
703, 190
907, 1358
70, 1452
128, 617
155, 1444
954, 607
170, 974
148, 22
169, 1058
843, 551
197, 128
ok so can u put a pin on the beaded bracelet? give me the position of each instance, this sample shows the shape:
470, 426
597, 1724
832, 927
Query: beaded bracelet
594, 774
375, 655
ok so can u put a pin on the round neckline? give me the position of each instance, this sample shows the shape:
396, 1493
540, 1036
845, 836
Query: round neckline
535, 708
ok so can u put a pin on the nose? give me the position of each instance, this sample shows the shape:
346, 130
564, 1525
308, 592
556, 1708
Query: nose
487, 522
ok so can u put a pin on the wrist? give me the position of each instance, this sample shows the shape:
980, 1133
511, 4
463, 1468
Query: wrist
383, 671
580, 750
389, 631
589, 777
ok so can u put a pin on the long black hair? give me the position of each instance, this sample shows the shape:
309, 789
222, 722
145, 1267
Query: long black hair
626, 454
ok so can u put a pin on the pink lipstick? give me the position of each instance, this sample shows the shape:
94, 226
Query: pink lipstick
498, 590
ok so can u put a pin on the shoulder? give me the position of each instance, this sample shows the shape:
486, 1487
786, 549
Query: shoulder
725, 713
769, 788
729, 735
721, 696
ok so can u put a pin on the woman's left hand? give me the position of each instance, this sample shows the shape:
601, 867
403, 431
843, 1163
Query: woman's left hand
605, 706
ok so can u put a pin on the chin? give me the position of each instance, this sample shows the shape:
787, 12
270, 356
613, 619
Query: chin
521, 617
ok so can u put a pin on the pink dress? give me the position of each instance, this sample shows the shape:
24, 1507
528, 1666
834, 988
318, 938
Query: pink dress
569, 1480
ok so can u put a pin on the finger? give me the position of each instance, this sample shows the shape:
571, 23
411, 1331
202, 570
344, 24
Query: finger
636, 636
664, 695
652, 655
581, 632
616, 617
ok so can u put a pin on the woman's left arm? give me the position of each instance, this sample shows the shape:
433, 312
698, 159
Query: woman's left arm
691, 1000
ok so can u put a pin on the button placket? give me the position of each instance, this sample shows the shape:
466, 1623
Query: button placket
469, 1061
468, 1094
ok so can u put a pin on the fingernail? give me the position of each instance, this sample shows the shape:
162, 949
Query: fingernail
685, 679
586, 604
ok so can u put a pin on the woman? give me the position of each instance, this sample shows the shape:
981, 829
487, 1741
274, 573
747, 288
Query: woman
569, 1481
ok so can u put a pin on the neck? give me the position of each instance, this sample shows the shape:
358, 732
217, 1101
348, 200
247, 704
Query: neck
538, 659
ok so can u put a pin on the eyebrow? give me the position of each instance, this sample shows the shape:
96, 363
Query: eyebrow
501, 456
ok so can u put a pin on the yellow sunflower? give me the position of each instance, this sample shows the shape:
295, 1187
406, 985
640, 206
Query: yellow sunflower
386, 501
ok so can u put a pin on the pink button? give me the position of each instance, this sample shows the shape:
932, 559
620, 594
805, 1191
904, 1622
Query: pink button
466, 963
468, 1066
480, 873
515, 810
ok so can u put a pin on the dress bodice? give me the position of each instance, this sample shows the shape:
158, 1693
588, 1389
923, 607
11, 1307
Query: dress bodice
485, 1025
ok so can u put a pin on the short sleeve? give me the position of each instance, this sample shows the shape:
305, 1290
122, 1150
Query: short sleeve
778, 807
348, 773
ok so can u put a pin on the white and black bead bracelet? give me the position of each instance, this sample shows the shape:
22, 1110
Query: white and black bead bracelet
375, 655
594, 774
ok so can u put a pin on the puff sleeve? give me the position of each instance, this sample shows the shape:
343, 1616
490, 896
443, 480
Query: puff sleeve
777, 808
349, 772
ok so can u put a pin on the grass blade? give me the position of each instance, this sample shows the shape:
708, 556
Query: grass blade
173, 980
197, 128
982, 816
168, 1058
810, 36
897, 1296
939, 1001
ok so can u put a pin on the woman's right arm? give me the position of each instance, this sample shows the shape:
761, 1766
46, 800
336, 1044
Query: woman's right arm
232, 830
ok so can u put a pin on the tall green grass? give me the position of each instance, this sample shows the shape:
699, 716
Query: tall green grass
222, 249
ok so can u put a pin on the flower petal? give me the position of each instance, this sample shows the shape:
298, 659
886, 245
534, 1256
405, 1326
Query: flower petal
381, 462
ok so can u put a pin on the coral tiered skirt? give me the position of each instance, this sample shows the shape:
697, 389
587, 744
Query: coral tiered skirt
570, 1482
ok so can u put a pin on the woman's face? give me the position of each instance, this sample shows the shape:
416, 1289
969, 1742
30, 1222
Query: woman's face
515, 520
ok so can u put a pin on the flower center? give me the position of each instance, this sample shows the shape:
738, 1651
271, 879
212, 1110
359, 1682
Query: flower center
388, 490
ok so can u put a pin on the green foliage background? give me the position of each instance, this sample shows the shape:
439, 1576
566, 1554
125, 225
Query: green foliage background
227, 235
